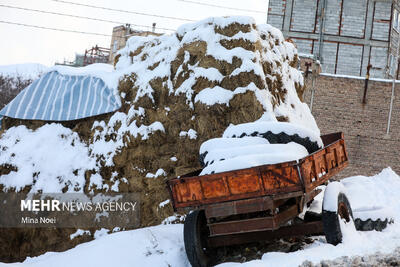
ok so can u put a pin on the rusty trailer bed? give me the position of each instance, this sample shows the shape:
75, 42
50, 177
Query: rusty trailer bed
276, 181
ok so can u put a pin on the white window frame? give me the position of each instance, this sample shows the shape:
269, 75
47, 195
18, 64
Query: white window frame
396, 21
115, 46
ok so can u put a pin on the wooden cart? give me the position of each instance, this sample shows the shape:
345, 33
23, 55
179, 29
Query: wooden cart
257, 203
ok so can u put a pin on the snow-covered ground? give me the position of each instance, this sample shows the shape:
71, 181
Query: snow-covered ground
163, 245
25, 71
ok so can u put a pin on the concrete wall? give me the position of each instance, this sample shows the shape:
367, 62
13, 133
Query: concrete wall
338, 107
356, 32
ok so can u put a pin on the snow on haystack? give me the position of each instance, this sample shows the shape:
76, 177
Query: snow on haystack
176, 92
50, 159
228, 56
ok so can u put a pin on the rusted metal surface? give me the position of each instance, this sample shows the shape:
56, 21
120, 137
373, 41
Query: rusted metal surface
312, 228
318, 167
248, 205
254, 224
233, 185
310, 196
260, 181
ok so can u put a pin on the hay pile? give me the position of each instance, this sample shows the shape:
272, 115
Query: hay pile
176, 91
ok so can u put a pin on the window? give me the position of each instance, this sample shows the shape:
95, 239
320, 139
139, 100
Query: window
392, 65
396, 23
115, 46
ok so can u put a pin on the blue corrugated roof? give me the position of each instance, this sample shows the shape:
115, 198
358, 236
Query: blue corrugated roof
57, 97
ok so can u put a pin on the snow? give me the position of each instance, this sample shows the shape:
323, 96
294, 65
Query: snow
212, 96
164, 49
152, 246
332, 191
102, 71
100, 233
27, 71
268, 154
159, 172
379, 193
107, 149
216, 155
370, 197
162, 245
192, 134
52, 151
79, 232
174, 159
223, 143
166, 202
275, 127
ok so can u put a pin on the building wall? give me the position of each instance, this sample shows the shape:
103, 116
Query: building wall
120, 36
338, 107
356, 32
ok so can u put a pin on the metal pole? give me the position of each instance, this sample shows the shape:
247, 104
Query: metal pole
366, 84
315, 72
318, 58
321, 29
313, 85
393, 85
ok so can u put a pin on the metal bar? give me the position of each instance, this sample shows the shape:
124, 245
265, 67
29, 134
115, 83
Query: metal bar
254, 224
312, 228
393, 85
246, 205
366, 84
239, 207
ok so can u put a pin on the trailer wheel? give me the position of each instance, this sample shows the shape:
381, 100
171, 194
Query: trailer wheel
331, 220
195, 233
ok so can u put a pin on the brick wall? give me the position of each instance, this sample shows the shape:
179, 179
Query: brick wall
356, 32
338, 107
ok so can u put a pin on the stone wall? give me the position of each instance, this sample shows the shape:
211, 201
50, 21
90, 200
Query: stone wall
338, 107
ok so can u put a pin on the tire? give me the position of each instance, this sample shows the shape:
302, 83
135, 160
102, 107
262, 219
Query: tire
283, 138
331, 220
195, 233
311, 216
370, 225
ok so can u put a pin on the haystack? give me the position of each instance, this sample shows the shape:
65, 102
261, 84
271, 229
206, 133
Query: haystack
176, 92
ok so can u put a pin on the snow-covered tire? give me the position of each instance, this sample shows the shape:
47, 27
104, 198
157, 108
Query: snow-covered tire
331, 216
370, 225
284, 138
222, 143
277, 133
195, 233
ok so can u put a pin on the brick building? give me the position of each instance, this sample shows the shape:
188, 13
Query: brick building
121, 34
355, 32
